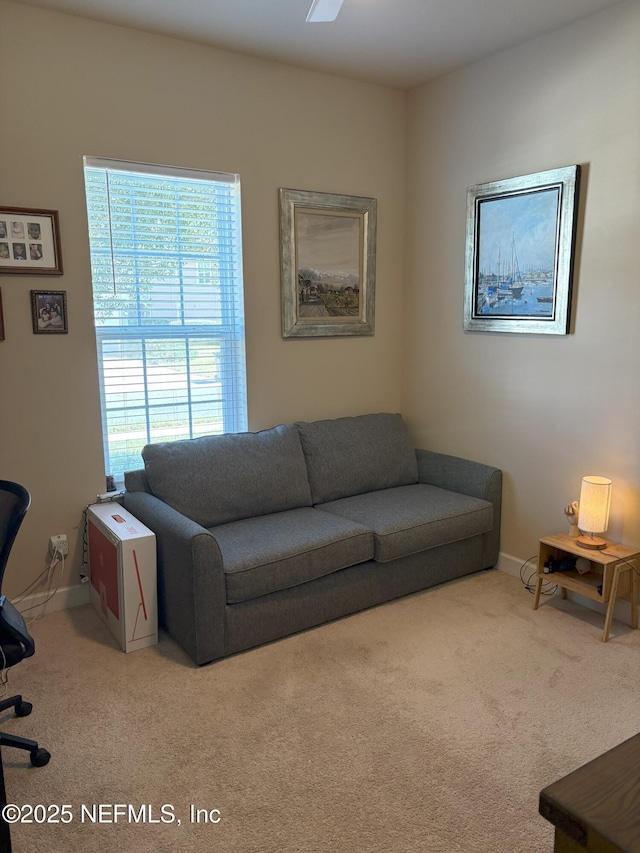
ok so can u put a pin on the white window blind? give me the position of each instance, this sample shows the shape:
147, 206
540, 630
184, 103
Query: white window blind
166, 264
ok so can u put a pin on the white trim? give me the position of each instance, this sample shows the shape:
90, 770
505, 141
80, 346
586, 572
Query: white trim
511, 565
74, 596
176, 172
62, 599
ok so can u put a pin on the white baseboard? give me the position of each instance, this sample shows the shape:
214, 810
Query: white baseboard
63, 598
74, 596
511, 566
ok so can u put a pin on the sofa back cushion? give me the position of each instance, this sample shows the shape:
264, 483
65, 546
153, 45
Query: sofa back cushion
350, 456
221, 478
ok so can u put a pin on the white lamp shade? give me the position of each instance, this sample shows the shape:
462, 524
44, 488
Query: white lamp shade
595, 500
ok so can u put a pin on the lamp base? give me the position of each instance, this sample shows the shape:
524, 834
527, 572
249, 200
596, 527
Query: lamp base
595, 543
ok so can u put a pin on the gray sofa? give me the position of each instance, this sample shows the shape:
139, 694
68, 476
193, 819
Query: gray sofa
260, 535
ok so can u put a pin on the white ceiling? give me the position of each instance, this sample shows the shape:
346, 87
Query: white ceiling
400, 43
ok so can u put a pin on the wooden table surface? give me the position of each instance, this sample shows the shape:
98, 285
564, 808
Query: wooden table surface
597, 807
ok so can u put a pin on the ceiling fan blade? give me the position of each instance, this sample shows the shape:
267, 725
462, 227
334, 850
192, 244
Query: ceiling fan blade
322, 11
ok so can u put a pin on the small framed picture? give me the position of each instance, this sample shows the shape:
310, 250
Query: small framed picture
49, 312
29, 242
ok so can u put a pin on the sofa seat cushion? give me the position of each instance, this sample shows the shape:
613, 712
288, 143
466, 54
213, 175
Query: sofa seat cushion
351, 456
220, 478
273, 552
409, 519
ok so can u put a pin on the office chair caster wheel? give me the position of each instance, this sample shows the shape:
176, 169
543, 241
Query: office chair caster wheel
40, 757
23, 709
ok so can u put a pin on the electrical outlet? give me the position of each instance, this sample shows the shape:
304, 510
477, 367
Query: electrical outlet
59, 544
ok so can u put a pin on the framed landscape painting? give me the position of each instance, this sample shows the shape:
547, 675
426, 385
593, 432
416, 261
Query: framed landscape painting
327, 254
520, 245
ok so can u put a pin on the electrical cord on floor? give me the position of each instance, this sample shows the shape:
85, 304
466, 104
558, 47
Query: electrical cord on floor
46, 576
530, 581
49, 572
49, 593
33, 585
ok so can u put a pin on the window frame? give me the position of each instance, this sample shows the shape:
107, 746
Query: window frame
227, 331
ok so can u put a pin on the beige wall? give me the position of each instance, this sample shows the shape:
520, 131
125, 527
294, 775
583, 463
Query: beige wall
72, 87
546, 409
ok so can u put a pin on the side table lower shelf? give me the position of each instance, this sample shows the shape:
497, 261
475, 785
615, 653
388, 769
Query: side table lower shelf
612, 574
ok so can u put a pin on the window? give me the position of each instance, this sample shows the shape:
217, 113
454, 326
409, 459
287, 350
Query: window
166, 264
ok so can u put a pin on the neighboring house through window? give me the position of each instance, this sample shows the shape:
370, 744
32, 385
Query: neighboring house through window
166, 264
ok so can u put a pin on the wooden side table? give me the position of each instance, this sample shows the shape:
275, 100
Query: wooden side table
596, 809
613, 573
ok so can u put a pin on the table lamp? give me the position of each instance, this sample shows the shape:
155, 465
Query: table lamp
593, 517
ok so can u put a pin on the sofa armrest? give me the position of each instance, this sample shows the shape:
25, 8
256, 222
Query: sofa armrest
191, 585
136, 481
468, 478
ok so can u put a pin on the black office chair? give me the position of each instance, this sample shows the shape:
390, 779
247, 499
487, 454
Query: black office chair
15, 641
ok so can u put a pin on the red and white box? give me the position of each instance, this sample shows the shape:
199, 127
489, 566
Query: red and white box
122, 567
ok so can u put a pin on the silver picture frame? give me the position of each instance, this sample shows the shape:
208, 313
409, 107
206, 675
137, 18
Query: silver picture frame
520, 246
328, 263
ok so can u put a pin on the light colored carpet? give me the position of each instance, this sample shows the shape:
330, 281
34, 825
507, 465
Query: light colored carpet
428, 724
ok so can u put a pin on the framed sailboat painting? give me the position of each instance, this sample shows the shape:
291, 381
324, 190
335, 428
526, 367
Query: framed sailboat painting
520, 246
